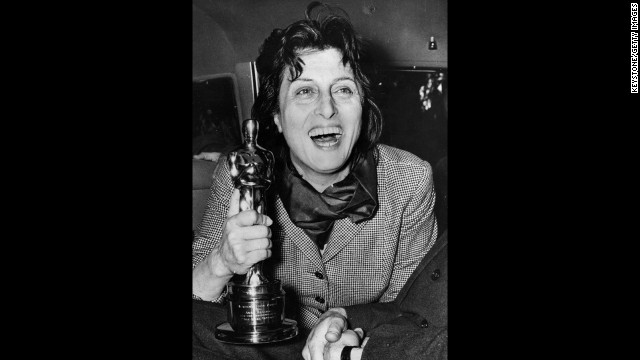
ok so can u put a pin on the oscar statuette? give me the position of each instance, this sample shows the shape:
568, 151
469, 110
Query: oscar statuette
255, 305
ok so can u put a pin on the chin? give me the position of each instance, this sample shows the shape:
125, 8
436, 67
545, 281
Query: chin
330, 165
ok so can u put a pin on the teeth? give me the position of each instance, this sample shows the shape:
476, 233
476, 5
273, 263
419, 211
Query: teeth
325, 131
327, 144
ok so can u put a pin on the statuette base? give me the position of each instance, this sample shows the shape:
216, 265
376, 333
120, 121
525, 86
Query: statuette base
224, 333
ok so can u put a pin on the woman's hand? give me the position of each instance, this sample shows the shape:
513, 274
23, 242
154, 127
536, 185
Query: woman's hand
246, 240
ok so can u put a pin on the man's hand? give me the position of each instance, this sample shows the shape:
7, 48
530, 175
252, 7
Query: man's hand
329, 329
211, 156
333, 350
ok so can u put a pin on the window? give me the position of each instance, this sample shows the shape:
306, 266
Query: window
215, 114
413, 108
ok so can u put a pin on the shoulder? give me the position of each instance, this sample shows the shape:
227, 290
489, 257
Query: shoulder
221, 176
398, 164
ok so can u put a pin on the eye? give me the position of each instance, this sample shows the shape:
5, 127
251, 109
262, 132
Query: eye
343, 92
304, 92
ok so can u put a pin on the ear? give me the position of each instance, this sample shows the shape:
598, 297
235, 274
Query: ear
276, 120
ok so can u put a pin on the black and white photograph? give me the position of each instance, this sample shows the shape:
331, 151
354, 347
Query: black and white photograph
303, 146
320, 180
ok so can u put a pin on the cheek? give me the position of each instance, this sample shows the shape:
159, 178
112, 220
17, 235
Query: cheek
292, 131
357, 124
293, 120
356, 138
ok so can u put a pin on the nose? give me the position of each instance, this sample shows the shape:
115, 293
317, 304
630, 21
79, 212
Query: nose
326, 106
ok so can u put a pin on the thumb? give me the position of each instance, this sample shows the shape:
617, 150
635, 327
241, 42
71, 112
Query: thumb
199, 156
360, 332
234, 203
335, 329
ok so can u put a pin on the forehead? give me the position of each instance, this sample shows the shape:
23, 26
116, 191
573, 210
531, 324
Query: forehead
326, 62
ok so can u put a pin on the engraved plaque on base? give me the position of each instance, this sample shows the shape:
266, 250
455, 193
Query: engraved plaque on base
255, 305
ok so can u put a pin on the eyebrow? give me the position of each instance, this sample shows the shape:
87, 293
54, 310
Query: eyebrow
334, 81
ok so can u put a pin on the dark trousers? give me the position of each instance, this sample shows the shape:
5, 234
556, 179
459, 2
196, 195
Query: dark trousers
207, 315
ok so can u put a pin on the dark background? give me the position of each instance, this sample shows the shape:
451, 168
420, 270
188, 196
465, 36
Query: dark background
541, 200
396, 37
397, 31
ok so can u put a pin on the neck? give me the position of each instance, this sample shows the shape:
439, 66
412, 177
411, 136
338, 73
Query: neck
322, 181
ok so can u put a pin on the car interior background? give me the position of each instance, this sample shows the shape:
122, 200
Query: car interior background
406, 62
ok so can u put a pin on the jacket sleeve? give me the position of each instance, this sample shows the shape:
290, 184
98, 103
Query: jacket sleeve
368, 316
209, 231
418, 231
406, 342
414, 325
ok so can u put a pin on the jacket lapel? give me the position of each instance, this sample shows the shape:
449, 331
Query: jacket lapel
343, 232
298, 236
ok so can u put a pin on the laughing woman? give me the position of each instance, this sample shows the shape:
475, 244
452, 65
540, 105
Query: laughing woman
349, 218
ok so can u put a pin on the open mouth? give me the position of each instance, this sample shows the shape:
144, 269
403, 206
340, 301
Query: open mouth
326, 137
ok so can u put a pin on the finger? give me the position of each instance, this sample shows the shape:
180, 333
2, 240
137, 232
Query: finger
257, 244
264, 220
256, 232
247, 252
316, 351
234, 203
198, 157
258, 255
306, 353
360, 332
336, 326
314, 347
252, 217
349, 337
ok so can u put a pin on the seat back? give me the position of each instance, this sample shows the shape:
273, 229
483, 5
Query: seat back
202, 178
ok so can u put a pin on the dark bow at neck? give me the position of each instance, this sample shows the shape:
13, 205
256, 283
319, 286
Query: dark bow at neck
355, 196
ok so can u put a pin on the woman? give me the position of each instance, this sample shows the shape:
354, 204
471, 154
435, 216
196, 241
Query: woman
349, 219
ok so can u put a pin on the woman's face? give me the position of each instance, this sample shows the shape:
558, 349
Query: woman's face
320, 113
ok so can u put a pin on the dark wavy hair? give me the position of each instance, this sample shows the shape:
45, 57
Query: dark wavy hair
282, 50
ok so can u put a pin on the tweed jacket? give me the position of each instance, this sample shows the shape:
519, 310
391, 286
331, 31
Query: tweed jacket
362, 263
